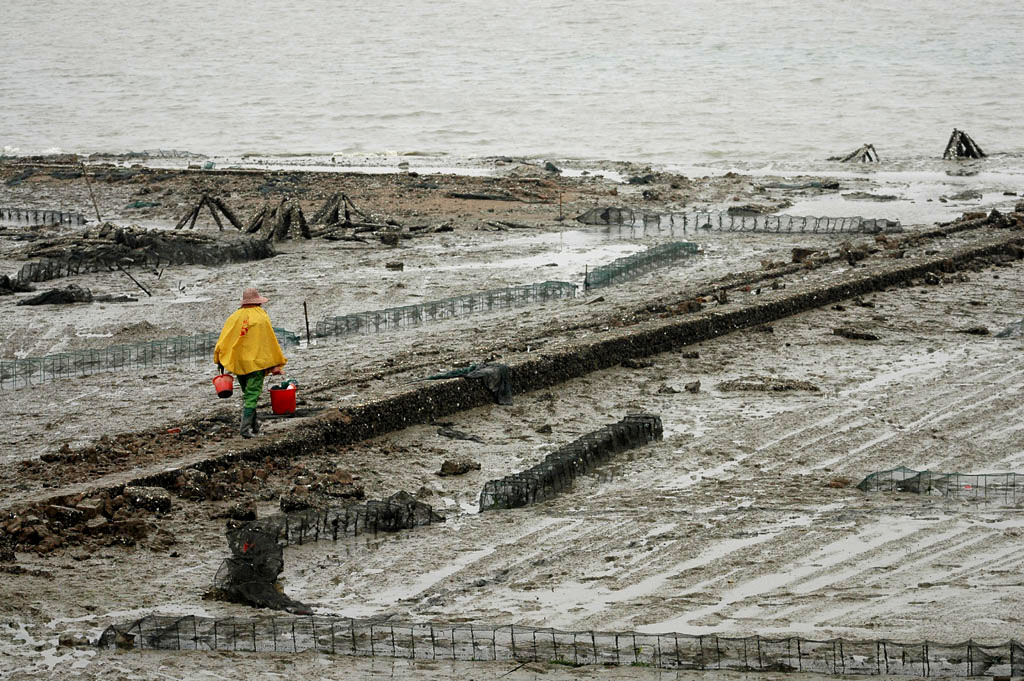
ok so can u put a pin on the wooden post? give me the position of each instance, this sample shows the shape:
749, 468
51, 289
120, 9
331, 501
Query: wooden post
305, 311
89, 185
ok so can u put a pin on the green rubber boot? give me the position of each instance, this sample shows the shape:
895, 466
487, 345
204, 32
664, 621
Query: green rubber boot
246, 429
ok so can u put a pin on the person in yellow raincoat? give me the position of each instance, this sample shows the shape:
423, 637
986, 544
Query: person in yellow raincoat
248, 348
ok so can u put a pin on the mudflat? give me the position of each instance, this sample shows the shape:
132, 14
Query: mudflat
744, 520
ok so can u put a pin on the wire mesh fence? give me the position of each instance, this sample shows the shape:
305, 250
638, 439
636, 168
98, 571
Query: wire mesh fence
718, 221
1005, 488
632, 266
35, 216
512, 643
560, 468
409, 316
250, 574
20, 373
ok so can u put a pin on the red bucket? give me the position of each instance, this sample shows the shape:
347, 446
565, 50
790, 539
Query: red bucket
282, 400
224, 385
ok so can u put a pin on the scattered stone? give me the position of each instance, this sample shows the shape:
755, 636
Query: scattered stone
243, 510
839, 483
867, 196
341, 490
390, 238
48, 544
90, 508
766, 384
932, 279
802, 254
155, 499
692, 387
395, 265
853, 334
68, 640
690, 355
966, 195
6, 548
544, 429
975, 330
458, 434
65, 514
97, 525
458, 467
666, 389
637, 364
294, 502
133, 528
750, 209
341, 477
552, 168
649, 178
193, 484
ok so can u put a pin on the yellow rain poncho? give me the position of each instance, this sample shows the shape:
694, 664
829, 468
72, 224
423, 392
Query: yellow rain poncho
247, 343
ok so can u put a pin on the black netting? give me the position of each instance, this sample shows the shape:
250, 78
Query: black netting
249, 575
637, 264
28, 371
697, 222
409, 316
35, 216
996, 488
430, 641
559, 469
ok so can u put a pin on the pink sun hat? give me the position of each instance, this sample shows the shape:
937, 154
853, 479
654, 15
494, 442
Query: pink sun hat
251, 296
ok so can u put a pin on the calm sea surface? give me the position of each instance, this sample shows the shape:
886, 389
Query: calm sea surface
668, 82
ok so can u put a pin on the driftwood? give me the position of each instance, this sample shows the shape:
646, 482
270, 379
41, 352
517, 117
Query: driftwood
60, 296
961, 145
331, 212
865, 154
277, 222
214, 205
505, 224
109, 247
474, 196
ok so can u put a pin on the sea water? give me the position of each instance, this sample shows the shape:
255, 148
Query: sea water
659, 81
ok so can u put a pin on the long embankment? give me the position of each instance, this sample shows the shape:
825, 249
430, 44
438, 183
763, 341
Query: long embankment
437, 399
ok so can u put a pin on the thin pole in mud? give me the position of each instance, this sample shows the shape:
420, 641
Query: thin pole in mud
305, 311
95, 205
144, 289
